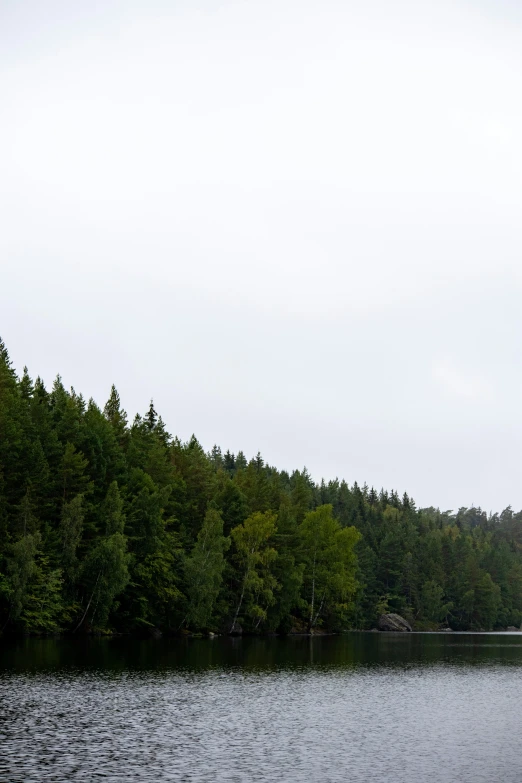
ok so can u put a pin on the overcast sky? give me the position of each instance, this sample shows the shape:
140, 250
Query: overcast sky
295, 225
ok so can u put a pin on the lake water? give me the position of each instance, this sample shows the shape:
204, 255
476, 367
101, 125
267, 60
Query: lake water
360, 707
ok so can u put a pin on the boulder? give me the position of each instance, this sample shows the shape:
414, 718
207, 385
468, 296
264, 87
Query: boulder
512, 628
236, 629
393, 622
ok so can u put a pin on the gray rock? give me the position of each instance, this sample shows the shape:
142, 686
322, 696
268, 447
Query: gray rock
512, 628
393, 622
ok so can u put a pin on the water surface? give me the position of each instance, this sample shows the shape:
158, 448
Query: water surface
361, 707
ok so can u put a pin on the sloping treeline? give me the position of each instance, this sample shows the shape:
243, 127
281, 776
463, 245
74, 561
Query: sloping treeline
107, 525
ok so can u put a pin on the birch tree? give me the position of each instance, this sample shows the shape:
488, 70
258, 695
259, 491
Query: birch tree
204, 569
255, 557
330, 564
105, 568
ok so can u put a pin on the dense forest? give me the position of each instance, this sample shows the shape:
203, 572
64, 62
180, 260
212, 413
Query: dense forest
112, 526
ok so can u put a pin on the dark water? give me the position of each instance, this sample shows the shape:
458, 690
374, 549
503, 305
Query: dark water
361, 707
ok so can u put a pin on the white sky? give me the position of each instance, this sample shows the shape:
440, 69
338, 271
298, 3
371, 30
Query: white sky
296, 225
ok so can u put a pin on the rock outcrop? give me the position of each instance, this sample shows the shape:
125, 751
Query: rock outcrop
393, 622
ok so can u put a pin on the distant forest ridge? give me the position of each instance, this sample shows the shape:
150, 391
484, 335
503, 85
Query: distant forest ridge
112, 526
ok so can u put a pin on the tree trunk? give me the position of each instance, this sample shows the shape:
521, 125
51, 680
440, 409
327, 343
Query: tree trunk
320, 608
88, 605
239, 604
311, 623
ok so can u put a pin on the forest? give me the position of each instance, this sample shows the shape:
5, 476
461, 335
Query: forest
112, 526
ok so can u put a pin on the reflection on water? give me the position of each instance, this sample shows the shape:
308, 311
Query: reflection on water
354, 649
360, 707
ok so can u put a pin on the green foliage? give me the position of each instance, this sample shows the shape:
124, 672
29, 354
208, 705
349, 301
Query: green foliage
255, 557
203, 570
71, 526
105, 569
115, 414
111, 526
328, 552
432, 603
33, 588
156, 596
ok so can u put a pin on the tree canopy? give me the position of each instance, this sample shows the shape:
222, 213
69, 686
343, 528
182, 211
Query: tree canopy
107, 525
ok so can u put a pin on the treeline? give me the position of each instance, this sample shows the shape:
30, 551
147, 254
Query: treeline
110, 525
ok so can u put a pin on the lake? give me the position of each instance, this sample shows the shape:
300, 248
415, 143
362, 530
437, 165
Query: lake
359, 707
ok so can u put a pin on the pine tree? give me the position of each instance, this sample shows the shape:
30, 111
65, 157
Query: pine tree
116, 416
151, 419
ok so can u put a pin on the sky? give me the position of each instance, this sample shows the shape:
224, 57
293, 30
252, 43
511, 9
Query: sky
296, 226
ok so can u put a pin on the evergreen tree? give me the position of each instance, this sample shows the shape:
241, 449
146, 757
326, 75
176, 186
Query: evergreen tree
106, 526
116, 416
